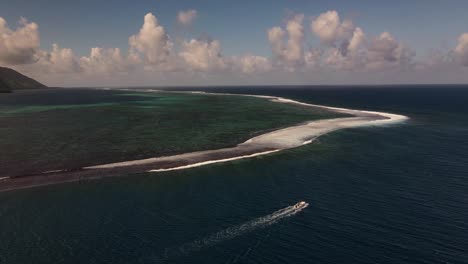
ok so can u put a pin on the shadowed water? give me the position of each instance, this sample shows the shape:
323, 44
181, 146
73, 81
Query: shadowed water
231, 232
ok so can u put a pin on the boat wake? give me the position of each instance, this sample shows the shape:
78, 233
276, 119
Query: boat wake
233, 232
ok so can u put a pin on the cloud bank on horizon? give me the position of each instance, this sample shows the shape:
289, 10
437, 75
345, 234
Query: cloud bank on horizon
346, 54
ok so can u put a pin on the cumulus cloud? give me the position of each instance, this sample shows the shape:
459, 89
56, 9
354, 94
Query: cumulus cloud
100, 61
313, 58
385, 47
348, 48
386, 51
152, 41
276, 36
58, 60
105, 61
186, 17
289, 54
329, 28
378, 53
202, 55
356, 41
350, 55
461, 50
254, 64
345, 51
295, 44
18, 46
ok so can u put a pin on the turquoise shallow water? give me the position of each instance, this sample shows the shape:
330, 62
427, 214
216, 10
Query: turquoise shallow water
63, 129
395, 194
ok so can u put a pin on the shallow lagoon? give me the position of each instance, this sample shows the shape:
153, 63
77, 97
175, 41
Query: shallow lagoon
68, 129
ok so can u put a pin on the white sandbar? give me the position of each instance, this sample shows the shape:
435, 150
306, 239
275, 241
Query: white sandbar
274, 141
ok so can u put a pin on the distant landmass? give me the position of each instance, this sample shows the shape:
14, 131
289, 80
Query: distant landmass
12, 80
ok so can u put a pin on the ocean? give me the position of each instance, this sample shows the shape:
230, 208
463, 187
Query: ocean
390, 194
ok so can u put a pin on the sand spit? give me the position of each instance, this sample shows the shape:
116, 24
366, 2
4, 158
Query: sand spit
265, 144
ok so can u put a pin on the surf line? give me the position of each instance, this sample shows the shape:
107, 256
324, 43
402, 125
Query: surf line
233, 232
277, 140
271, 142
215, 161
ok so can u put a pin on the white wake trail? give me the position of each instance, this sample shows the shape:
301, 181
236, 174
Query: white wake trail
234, 231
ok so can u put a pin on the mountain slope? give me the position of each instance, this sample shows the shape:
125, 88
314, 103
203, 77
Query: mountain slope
13, 80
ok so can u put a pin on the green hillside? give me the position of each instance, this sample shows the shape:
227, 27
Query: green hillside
12, 80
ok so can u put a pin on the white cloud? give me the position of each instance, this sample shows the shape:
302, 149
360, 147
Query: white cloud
99, 62
329, 28
348, 62
59, 60
276, 36
186, 17
294, 49
357, 40
152, 41
313, 58
351, 55
385, 47
347, 47
385, 51
461, 50
202, 55
289, 54
254, 64
105, 61
346, 54
18, 46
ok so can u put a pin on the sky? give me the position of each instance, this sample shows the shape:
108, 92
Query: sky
179, 43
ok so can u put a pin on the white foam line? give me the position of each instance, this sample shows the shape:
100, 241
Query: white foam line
391, 118
281, 139
215, 161
54, 171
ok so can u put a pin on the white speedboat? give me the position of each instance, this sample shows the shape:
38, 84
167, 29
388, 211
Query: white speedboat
300, 205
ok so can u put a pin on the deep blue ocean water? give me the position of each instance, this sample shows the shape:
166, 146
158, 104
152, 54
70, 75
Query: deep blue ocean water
394, 194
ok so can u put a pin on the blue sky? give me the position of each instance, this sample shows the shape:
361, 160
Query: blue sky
239, 26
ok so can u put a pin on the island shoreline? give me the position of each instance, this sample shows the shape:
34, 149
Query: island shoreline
264, 144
